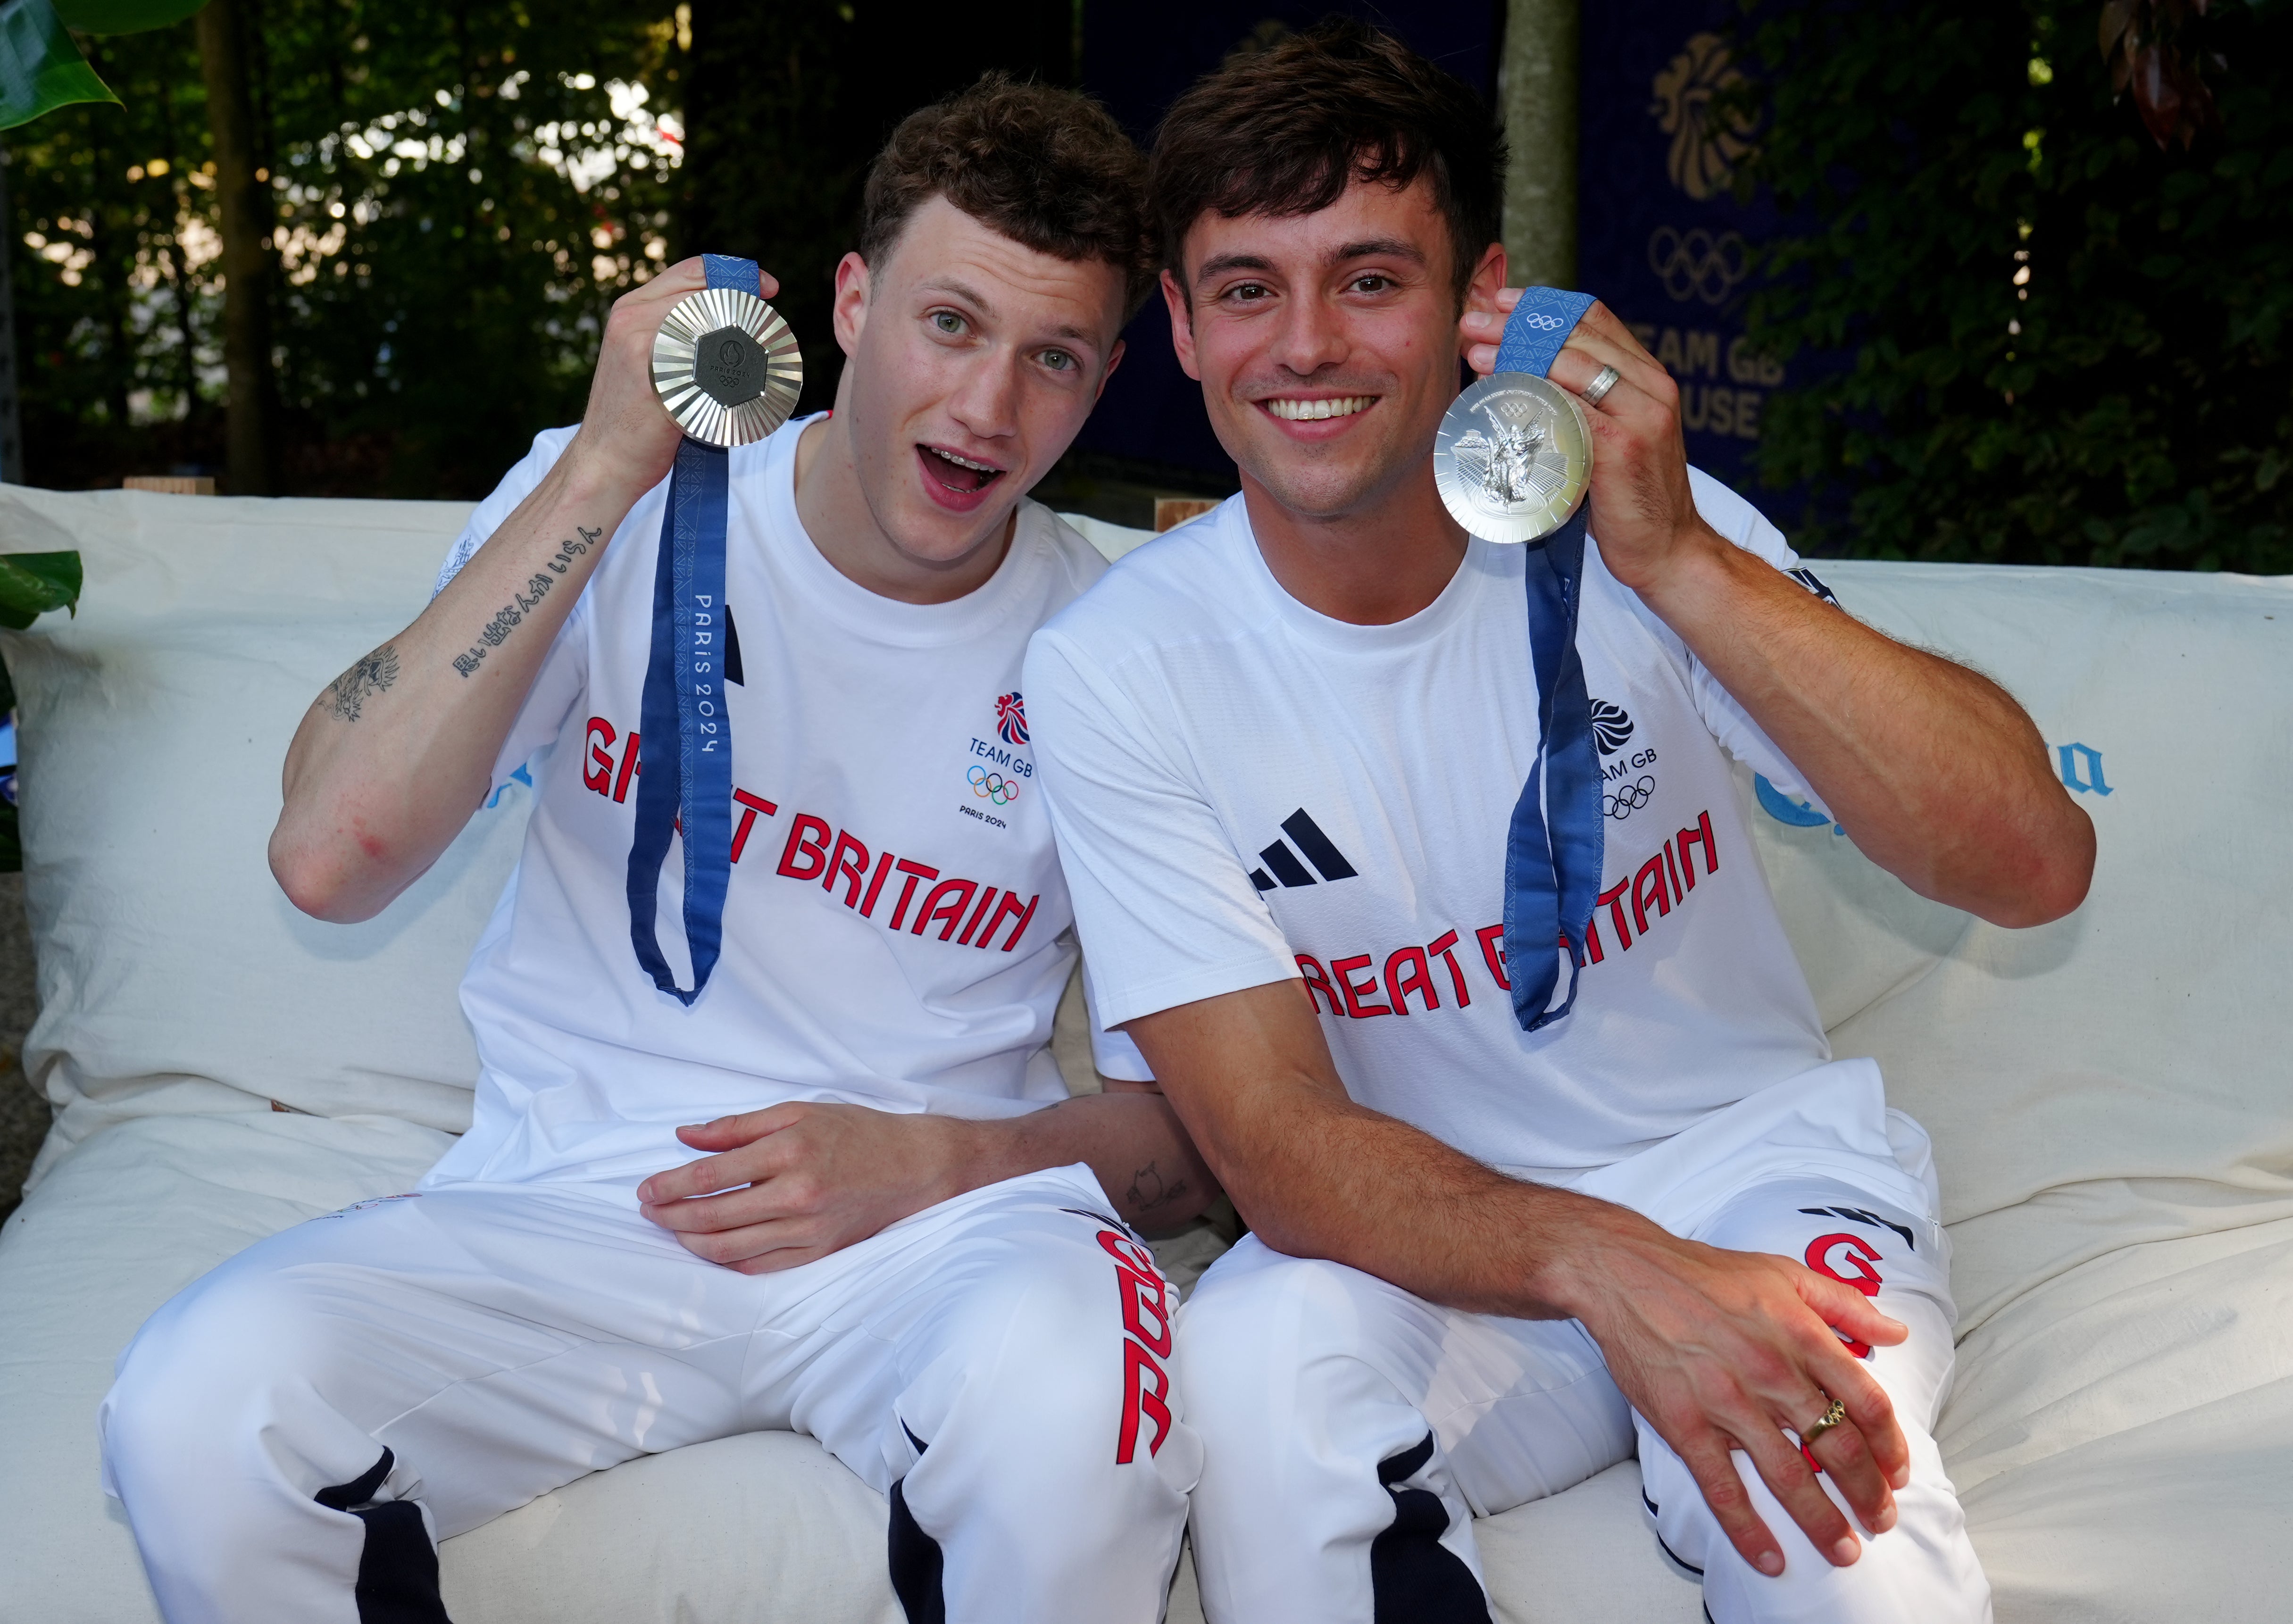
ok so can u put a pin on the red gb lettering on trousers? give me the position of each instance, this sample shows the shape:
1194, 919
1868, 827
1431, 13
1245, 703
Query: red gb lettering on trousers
1146, 1391
1146, 1339
1854, 1252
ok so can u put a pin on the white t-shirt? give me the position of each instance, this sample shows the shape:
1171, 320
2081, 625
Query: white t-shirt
1247, 791
896, 934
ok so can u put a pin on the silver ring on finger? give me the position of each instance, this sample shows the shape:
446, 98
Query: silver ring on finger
1597, 390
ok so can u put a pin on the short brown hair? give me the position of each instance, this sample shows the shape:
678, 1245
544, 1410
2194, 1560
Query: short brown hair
1283, 130
1049, 169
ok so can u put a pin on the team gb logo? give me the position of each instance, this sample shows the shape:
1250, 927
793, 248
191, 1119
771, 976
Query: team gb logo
1011, 717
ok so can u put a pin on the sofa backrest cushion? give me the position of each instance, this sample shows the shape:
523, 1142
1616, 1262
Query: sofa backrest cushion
173, 974
2122, 1074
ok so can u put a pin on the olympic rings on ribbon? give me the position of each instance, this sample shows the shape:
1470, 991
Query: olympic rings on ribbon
1628, 799
994, 787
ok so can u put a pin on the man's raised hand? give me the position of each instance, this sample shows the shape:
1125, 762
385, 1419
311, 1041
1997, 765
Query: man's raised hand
1643, 509
627, 438
1720, 1351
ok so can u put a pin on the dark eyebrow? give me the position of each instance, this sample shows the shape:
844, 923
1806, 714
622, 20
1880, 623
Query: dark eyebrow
1218, 264
1375, 248
1379, 247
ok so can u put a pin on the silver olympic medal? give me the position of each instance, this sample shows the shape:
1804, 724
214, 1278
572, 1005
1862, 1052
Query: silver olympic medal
726, 367
1513, 457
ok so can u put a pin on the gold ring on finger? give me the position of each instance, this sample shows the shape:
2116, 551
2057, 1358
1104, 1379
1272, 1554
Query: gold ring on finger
1823, 1423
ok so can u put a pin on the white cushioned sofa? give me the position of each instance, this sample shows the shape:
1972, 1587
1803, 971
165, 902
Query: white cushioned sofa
2111, 1096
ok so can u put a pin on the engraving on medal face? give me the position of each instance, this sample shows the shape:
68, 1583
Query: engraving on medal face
1512, 457
726, 367
1515, 464
729, 365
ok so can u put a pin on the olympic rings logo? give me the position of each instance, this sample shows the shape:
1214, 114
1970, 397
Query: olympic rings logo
1695, 265
1628, 799
1541, 322
994, 787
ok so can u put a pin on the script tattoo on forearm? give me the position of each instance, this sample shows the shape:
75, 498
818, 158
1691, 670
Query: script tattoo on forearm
497, 631
1149, 1190
347, 694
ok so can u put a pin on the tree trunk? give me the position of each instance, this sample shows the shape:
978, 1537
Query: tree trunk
1538, 84
172, 255
247, 222
12, 435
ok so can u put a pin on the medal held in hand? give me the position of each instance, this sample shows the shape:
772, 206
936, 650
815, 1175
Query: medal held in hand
726, 367
1514, 461
1513, 457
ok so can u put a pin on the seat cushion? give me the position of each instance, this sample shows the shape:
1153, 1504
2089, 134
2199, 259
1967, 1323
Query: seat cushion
120, 1225
766, 1528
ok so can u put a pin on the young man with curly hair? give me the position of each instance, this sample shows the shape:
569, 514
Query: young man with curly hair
890, 1228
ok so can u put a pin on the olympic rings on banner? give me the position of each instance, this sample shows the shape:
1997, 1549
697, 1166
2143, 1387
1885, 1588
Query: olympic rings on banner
1695, 265
994, 787
1628, 799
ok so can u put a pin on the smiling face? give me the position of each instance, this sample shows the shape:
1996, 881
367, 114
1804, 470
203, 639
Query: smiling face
974, 360
1325, 343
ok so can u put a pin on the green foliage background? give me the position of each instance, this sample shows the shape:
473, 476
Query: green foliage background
463, 188
443, 280
500, 183
2130, 401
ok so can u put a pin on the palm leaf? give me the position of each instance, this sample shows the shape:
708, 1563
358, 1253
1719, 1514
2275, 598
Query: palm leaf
41, 70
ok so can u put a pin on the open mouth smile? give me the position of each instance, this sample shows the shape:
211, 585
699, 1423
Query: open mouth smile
1294, 410
956, 476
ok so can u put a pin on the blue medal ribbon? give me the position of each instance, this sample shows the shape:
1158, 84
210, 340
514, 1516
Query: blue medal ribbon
1555, 846
684, 759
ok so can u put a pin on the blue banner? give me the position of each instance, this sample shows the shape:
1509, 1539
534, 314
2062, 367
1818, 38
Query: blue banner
1662, 238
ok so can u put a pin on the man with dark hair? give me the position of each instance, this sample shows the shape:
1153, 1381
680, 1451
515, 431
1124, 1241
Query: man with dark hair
896, 1235
1517, 1211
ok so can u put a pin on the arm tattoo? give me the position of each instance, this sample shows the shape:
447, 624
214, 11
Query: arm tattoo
497, 631
347, 694
1149, 1190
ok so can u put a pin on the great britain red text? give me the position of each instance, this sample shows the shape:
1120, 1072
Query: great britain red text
913, 896
1357, 988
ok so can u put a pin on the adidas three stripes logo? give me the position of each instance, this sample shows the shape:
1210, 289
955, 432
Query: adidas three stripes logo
1319, 850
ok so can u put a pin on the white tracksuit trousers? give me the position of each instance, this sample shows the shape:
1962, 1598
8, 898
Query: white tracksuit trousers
1351, 1431
292, 1433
